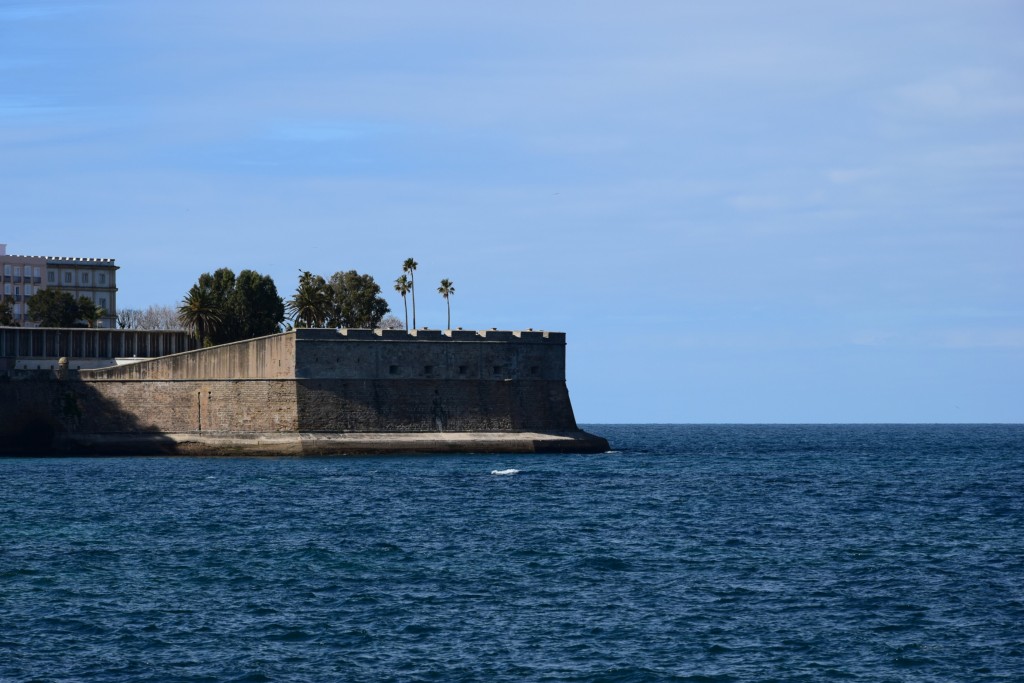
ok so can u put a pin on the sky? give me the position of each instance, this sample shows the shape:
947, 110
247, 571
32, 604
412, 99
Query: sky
738, 211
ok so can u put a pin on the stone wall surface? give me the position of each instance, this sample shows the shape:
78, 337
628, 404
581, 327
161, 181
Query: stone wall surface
270, 357
418, 405
308, 382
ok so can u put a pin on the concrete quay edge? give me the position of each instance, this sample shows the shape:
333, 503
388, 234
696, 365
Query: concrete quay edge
324, 444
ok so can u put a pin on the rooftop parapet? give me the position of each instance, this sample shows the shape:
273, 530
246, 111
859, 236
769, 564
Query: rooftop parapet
426, 334
391, 334
357, 333
496, 335
66, 260
367, 334
463, 335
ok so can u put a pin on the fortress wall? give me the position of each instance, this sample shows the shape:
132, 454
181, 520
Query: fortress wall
423, 359
191, 406
363, 354
432, 405
282, 406
127, 406
271, 357
308, 381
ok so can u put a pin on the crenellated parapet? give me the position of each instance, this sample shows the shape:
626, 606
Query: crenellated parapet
363, 354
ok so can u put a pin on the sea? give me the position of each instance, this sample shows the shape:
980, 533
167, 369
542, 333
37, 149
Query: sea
704, 553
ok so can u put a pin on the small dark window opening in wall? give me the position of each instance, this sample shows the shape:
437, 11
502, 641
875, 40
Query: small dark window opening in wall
393, 369
534, 370
497, 369
428, 369
462, 369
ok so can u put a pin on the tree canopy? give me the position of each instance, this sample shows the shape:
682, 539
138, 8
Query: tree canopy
348, 299
310, 306
222, 308
356, 300
446, 290
54, 308
7, 313
155, 317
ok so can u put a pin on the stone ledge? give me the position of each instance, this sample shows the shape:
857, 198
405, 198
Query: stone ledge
320, 444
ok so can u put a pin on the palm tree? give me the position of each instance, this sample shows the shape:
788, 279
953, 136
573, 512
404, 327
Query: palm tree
446, 290
403, 287
310, 306
199, 314
410, 267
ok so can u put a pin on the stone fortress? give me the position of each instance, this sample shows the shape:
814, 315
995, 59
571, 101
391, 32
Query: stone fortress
309, 391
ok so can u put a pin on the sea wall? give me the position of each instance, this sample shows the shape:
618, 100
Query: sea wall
309, 382
420, 405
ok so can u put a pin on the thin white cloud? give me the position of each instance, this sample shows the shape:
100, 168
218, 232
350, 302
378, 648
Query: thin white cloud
962, 93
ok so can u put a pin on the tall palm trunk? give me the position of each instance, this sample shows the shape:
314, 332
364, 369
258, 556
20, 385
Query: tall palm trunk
412, 286
449, 302
406, 304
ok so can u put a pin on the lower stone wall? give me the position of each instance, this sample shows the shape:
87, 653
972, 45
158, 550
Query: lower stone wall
187, 406
433, 406
33, 411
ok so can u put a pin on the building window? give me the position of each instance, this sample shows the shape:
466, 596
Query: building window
7, 288
393, 369
7, 269
462, 369
38, 272
17, 291
101, 278
103, 304
51, 277
85, 278
68, 276
28, 290
17, 271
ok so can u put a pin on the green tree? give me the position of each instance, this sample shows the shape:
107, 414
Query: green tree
254, 306
199, 314
310, 306
89, 311
403, 287
355, 300
446, 290
7, 313
53, 308
409, 267
246, 306
220, 286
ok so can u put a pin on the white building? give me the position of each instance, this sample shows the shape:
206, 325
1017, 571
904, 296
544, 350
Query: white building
92, 278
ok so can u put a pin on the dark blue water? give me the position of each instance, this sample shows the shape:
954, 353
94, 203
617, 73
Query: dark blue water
693, 553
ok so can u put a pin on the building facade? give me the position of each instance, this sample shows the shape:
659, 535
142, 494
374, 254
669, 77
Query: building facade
92, 278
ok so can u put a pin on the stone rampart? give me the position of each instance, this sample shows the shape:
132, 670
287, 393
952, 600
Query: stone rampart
308, 382
364, 355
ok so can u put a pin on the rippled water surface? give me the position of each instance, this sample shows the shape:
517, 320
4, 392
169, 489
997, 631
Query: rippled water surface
691, 553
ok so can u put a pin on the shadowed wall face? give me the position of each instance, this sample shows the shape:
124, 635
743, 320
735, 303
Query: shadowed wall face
432, 406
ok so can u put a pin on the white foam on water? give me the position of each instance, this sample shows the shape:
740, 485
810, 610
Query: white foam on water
502, 473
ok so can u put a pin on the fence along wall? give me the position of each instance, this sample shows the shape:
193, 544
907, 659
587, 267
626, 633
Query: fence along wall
83, 343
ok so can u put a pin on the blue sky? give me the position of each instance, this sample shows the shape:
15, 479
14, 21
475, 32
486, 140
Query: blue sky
738, 211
